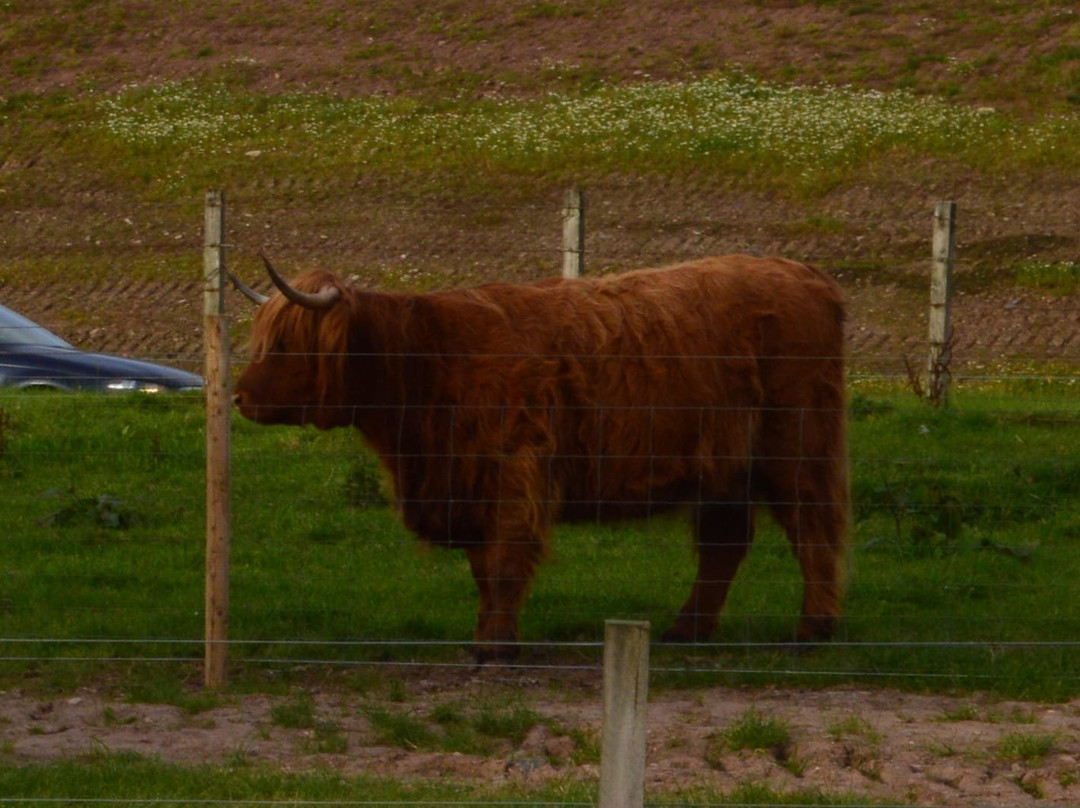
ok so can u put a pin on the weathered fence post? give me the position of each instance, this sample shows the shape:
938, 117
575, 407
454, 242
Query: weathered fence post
944, 247
217, 443
626, 686
574, 235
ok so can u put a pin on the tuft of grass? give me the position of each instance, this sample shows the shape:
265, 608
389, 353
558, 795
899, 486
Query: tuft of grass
324, 737
1015, 715
860, 742
448, 714
962, 712
512, 724
146, 685
756, 732
854, 726
328, 738
399, 728
453, 727
113, 719
467, 730
941, 749
298, 713
1030, 747
586, 747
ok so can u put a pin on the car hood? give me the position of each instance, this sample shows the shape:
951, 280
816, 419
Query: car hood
76, 368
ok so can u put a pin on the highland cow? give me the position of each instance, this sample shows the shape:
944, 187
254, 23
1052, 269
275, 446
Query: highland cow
714, 386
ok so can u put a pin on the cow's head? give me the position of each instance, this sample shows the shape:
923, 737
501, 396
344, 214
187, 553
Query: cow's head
299, 348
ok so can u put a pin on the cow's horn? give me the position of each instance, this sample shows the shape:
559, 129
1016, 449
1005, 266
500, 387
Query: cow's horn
322, 299
258, 298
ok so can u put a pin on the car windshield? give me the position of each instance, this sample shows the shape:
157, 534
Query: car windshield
16, 330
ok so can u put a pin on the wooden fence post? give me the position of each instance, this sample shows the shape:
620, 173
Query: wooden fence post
944, 248
626, 685
574, 235
218, 402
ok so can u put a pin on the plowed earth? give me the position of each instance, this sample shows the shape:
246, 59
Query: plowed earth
997, 325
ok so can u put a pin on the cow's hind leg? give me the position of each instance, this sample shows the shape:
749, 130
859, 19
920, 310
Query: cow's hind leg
804, 476
815, 533
723, 534
816, 527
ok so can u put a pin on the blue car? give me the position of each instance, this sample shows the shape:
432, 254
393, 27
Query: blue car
33, 357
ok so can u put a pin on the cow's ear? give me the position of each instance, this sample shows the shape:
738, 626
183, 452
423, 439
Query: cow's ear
332, 344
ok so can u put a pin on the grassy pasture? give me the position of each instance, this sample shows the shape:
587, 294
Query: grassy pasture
963, 570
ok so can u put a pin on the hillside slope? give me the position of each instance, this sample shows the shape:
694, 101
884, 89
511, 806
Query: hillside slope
84, 253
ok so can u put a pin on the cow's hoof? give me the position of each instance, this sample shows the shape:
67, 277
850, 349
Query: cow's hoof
816, 629
674, 637
494, 654
685, 633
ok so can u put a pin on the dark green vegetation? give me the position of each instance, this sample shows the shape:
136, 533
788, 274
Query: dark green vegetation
756, 733
963, 565
131, 780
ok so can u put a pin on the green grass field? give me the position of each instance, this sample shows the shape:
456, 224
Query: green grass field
963, 568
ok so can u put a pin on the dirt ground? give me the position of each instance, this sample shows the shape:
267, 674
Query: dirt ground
879, 744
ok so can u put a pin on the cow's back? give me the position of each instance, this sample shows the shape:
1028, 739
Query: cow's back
650, 387
626, 393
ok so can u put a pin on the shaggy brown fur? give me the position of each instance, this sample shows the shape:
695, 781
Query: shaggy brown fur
714, 385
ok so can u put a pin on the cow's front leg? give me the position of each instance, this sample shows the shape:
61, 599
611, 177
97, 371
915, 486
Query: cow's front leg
722, 534
502, 570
